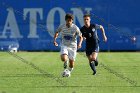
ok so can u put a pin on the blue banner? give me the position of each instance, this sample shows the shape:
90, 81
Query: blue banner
31, 24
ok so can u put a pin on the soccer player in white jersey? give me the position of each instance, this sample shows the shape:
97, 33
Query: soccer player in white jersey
69, 33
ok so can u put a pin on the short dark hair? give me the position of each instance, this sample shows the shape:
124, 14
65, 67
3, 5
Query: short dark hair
69, 16
86, 15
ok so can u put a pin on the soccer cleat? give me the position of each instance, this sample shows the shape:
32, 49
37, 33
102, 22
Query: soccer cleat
94, 73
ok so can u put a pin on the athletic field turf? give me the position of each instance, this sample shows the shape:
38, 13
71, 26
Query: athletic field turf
40, 72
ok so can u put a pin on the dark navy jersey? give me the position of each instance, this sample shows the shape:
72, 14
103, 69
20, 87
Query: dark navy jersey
91, 36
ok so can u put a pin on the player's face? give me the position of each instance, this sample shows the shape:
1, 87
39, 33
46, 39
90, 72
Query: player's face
69, 22
87, 20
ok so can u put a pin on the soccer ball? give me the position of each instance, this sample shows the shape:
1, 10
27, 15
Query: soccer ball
66, 73
13, 50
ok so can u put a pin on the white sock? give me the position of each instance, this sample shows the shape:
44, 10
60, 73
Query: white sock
70, 69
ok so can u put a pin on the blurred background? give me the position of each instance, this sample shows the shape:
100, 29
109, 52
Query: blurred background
29, 25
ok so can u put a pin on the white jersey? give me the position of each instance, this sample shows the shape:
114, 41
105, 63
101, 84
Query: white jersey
69, 35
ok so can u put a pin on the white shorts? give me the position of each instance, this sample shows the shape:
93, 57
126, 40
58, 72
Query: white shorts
71, 52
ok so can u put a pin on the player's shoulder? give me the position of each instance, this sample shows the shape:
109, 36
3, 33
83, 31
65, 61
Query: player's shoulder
62, 25
75, 26
82, 28
97, 26
93, 25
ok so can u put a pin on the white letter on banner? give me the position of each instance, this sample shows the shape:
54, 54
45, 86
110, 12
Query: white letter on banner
33, 20
50, 19
78, 13
11, 25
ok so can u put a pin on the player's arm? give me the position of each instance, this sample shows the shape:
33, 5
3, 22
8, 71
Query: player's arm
103, 33
55, 37
80, 38
84, 38
80, 41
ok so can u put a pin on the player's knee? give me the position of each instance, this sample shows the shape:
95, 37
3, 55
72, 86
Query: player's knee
93, 58
63, 58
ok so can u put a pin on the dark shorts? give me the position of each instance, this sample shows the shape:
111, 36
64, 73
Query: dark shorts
89, 51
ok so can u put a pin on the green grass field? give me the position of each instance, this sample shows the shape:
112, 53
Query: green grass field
40, 72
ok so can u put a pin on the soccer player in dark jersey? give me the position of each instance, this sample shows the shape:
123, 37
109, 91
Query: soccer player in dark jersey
89, 32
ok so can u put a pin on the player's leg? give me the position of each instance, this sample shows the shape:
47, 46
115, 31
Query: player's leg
71, 65
93, 59
92, 54
64, 59
72, 56
96, 56
96, 61
64, 56
92, 64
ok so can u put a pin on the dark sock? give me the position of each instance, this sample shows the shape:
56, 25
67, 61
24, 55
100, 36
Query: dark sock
96, 62
65, 65
92, 65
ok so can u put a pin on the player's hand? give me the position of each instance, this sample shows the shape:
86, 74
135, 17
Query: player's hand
105, 39
84, 38
79, 46
55, 43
